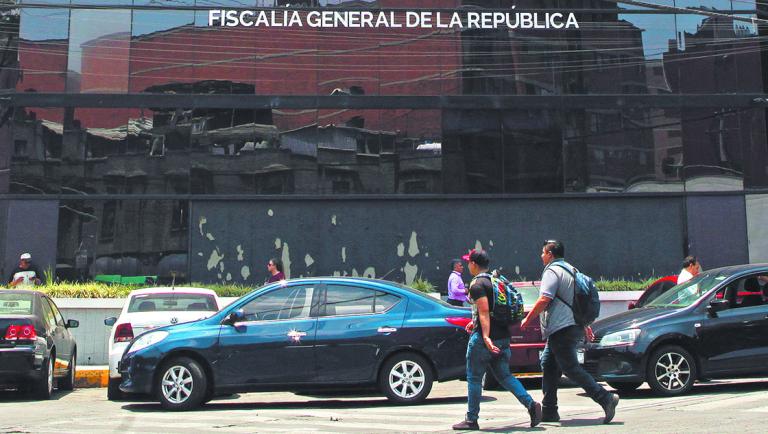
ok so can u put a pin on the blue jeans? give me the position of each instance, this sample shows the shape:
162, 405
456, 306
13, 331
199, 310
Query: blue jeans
559, 357
479, 358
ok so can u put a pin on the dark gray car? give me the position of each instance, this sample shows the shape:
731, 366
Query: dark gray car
36, 347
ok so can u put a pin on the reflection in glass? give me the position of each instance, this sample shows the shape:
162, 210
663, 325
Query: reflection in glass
129, 238
99, 46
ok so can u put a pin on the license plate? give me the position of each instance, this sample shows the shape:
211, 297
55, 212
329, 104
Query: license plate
580, 357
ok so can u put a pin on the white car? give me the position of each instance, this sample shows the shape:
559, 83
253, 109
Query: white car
151, 308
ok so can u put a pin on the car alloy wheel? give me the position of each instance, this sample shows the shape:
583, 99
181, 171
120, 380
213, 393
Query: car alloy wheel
181, 384
406, 379
671, 371
177, 384
50, 375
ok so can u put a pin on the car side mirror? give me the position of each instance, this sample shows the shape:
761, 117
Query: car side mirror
716, 306
631, 305
110, 321
235, 317
73, 324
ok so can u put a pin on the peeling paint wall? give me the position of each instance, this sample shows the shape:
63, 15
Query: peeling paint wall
403, 240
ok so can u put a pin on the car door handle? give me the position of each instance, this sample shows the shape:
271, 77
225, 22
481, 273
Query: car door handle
296, 334
386, 330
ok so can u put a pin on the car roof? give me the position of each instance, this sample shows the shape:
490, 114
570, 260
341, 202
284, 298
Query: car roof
169, 289
738, 269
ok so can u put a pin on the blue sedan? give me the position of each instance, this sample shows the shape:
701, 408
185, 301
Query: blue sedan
304, 335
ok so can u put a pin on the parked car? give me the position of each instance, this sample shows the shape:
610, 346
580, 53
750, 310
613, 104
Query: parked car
148, 309
36, 348
304, 335
654, 290
713, 326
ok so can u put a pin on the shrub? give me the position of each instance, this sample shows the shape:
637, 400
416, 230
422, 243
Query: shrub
423, 285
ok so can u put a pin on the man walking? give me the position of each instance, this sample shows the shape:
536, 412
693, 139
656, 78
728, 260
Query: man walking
457, 292
488, 346
563, 335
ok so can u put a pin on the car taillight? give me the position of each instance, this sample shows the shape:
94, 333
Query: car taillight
459, 321
20, 332
124, 332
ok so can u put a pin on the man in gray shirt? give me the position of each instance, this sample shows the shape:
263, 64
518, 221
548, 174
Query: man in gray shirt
563, 335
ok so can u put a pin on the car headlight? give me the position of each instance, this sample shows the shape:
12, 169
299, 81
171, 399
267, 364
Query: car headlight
146, 340
622, 338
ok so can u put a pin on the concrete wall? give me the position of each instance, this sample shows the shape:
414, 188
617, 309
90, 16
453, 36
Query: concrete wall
757, 227
717, 230
402, 239
92, 336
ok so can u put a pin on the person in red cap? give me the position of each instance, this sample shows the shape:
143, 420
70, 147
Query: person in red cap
488, 347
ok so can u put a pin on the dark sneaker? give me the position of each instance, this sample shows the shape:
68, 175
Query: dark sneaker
534, 410
466, 425
610, 407
549, 415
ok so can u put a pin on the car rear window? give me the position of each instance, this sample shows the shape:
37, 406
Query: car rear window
16, 304
172, 302
529, 293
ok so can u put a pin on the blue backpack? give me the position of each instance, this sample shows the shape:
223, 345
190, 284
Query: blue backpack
507, 302
586, 300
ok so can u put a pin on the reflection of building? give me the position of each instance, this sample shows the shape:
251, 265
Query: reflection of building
719, 141
156, 187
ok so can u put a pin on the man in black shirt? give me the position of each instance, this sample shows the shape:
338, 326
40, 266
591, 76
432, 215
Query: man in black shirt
488, 346
25, 274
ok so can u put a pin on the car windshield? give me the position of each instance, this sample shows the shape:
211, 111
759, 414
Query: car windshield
16, 304
685, 294
178, 301
529, 293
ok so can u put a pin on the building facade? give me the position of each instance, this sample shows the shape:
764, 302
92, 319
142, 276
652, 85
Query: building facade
137, 139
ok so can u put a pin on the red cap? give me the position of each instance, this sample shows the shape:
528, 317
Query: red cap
466, 257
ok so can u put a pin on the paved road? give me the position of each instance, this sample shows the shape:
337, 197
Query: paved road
718, 406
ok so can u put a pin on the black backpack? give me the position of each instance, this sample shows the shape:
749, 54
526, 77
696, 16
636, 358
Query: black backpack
586, 300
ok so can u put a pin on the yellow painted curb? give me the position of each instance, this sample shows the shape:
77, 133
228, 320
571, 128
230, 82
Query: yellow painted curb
85, 377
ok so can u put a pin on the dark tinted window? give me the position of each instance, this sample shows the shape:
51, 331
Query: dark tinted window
16, 304
172, 302
355, 300
285, 303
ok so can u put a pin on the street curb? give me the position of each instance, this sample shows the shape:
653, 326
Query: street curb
86, 377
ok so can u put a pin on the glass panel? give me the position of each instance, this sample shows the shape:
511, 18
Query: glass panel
120, 237
99, 48
285, 303
36, 147
348, 300
176, 301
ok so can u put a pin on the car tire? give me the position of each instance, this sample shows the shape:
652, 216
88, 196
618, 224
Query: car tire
43, 387
624, 387
671, 371
68, 382
113, 390
406, 378
182, 384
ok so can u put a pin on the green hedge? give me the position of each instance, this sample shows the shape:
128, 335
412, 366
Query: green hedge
103, 290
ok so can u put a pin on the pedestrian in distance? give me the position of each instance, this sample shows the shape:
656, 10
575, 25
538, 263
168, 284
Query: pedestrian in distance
457, 292
26, 274
563, 335
691, 268
488, 347
275, 268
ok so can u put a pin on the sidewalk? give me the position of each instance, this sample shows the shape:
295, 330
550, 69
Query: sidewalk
91, 376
